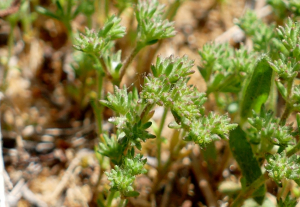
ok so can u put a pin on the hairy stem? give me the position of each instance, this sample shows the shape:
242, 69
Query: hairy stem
99, 96
158, 137
129, 59
295, 149
288, 106
163, 170
249, 190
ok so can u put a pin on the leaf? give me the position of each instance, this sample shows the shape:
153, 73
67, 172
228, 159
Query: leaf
244, 156
46, 12
257, 91
281, 89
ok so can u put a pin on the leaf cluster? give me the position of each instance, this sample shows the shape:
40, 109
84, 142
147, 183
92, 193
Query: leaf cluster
287, 65
99, 43
151, 26
224, 68
280, 166
284, 8
122, 177
260, 33
265, 129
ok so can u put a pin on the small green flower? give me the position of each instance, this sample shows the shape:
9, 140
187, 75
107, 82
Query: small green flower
121, 101
91, 43
151, 26
266, 127
209, 128
173, 68
99, 43
280, 166
122, 177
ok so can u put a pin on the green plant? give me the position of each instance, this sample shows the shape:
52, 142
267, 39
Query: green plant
166, 86
231, 76
239, 108
260, 136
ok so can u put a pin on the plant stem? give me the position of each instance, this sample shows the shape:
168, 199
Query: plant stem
288, 106
293, 150
95, 104
171, 12
104, 66
249, 190
99, 96
158, 137
129, 59
123, 203
162, 171
110, 198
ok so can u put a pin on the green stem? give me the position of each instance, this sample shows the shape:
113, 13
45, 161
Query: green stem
171, 12
99, 96
110, 198
129, 59
286, 113
69, 8
174, 150
295, 149
123, 203
283, 189
106, 8
104, 66
288, 107
97, 115
273, 94
158, 137
249, 190
67, 24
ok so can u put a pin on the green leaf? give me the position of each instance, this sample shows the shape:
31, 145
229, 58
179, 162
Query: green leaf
257, 91
59, 7
244, 156
281, 89
46, 12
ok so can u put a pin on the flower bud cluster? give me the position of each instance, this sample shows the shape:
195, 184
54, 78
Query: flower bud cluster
100, 42
111, 148
151, 26
122, 177
209, 128
288, 42
224, 68
260, 32
185, 102
121, 101
280, 166
267, 128
173, 68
